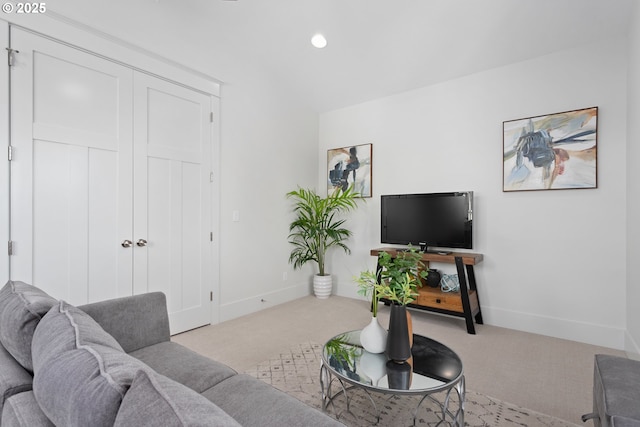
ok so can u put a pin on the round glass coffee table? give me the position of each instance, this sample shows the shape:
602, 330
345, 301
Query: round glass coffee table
433, 368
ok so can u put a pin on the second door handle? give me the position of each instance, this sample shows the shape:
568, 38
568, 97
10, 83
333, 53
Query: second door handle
141, 242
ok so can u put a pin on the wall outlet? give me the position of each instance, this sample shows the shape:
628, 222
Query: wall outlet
285, 276
235, 216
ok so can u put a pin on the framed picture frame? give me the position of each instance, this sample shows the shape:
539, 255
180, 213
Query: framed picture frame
350, 166
551, 152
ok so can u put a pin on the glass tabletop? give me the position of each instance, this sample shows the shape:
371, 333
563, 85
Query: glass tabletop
432, 368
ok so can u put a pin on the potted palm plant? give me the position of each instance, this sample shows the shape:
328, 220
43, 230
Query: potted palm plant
397, 280
318, 226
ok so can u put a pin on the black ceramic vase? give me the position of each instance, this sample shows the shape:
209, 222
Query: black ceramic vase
398, 347
433, 278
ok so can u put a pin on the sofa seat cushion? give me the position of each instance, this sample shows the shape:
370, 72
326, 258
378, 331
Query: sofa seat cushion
251, 402
183, 365
21, 308
81, 373
22, 410
615, 390
155, 400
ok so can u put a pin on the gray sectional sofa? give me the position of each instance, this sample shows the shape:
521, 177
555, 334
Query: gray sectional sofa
113, 363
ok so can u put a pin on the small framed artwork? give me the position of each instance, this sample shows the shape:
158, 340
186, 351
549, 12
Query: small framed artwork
350, 166
551, 152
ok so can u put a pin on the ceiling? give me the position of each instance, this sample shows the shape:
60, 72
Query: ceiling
375, 48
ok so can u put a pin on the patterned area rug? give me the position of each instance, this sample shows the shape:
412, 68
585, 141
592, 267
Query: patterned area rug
296, 373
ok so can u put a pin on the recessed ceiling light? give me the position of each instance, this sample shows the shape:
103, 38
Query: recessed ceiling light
319, 41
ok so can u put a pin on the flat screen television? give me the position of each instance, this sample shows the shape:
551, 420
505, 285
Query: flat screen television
438, 220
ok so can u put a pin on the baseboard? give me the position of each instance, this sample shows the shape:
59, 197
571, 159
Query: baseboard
588, 333
631, 347
256, 303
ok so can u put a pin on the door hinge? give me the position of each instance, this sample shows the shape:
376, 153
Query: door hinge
10, 247
211, 117
211, 296
10, 153
11, 56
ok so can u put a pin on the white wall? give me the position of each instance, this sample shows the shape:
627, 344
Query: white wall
632, 343
268, 146
553, 260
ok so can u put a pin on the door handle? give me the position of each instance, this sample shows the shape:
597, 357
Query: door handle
126, 243
141, 242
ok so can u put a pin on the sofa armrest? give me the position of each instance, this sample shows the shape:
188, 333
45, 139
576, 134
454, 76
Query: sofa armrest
135, 322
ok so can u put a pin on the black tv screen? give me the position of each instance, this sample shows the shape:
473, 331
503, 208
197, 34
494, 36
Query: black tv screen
441, 220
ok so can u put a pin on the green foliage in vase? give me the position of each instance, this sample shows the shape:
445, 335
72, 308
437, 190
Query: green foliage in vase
367, 287
398, 278
318, 225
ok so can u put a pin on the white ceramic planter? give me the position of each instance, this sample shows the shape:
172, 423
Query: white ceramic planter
322, 286
374, 337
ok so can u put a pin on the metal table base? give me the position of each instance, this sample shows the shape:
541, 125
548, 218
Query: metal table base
447, 416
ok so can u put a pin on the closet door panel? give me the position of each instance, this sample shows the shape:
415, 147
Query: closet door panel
163, 251
107, 260
71, 176
175, 227
193, 230
74, 103
60, 193
175, 124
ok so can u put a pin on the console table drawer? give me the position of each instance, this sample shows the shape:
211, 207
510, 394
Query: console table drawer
435, 298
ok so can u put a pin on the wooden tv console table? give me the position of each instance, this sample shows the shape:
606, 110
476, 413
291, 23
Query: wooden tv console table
461, 304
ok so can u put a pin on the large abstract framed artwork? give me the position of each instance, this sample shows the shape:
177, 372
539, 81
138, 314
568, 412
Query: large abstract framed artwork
551, 152
350, 166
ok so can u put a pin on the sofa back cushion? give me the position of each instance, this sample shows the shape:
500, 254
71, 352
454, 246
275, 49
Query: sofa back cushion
21, 308
148, 312
80, 372
155, 400
65, 328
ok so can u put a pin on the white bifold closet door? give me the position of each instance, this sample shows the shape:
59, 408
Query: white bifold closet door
110, 192
172, 198
71, 174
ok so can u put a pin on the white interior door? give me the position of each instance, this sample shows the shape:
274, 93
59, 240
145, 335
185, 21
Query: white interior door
172, 198
71, 176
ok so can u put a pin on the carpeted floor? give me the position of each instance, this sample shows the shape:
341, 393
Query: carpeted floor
546, 374
296, 372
